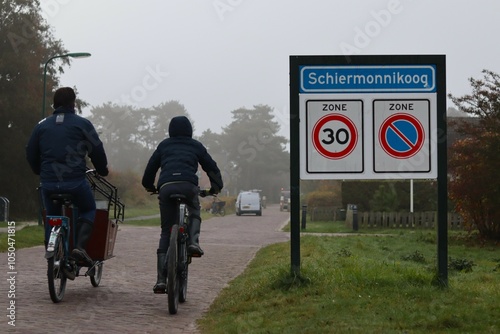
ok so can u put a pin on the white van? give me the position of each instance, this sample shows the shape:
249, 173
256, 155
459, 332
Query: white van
248, 202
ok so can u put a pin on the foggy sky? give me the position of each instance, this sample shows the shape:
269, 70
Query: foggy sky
214, 56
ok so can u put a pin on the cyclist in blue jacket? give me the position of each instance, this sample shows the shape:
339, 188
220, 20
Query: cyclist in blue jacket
178, 157
56, 151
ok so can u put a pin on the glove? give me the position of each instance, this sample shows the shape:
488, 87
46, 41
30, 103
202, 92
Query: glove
103, 172
212, 191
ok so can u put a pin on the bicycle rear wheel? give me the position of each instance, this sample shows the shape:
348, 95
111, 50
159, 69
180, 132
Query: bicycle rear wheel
55, 275
96, 278
172, 276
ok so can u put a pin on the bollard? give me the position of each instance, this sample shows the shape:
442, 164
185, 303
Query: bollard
355, 217
304, 215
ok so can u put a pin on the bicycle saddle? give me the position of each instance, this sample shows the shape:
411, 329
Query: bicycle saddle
61, 197
177, 196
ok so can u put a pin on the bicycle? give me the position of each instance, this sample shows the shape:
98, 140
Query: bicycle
218, 207
60, 264
178, 259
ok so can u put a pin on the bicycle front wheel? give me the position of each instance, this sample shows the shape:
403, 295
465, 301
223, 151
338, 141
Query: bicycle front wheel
172, 276
55, 275
183, 272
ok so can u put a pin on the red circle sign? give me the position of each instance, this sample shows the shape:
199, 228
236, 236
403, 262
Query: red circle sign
340, 136
401, 135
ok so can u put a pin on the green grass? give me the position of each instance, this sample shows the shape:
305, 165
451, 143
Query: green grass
323, 227
28, 236
362, 284
147, 210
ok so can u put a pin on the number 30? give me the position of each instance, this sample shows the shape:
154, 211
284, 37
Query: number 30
332, 136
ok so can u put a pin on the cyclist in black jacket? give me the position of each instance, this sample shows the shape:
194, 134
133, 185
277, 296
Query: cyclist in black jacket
178, 157
56, 151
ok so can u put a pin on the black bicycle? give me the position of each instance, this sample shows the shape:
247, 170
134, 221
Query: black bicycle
178, 259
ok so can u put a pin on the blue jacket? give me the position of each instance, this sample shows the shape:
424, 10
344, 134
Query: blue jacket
59, 144
178, 157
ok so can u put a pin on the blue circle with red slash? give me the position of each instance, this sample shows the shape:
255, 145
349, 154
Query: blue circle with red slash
401, 136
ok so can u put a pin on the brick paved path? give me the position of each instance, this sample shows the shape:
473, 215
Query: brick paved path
124, 302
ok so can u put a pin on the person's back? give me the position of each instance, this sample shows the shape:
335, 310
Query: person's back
64, 140
57, 151
178, 157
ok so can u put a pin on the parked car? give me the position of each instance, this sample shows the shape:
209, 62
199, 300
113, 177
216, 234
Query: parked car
248, 202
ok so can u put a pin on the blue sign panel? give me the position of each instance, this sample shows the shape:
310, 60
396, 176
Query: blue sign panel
376, 79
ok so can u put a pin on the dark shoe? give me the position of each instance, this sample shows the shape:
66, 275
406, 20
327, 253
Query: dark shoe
81, 256
160, 288
195, 250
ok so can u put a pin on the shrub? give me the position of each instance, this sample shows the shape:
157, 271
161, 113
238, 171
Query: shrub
324, 198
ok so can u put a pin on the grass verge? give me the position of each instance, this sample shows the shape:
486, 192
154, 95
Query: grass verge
28, 236
362, 284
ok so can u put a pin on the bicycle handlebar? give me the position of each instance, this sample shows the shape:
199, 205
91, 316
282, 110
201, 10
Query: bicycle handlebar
202, 192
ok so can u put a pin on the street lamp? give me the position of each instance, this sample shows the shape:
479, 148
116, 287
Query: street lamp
72, 55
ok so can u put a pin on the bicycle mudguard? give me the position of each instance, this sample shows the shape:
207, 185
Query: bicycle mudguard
49, 252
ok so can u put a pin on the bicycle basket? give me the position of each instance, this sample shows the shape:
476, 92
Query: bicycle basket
109, 213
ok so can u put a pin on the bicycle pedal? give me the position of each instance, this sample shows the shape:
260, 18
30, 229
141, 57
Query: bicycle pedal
70, 274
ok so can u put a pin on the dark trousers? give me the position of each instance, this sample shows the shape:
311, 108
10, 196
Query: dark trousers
83, 199
168, 208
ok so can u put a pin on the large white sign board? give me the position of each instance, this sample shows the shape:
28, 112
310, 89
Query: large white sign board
368, 122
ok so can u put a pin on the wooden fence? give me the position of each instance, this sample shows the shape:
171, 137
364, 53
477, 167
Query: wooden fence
415, 220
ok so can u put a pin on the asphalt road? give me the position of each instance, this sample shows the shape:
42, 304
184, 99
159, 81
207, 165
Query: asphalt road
124, 302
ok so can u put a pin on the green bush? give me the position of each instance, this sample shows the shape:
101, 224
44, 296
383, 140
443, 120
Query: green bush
324, 198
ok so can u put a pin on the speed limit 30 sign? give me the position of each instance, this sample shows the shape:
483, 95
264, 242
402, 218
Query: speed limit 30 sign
334, 131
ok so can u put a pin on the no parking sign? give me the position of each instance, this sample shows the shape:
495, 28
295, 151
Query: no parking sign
402, 136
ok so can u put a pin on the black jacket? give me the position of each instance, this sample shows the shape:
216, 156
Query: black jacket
59, 144
179, 156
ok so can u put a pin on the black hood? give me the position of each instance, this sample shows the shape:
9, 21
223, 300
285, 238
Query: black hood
180, 126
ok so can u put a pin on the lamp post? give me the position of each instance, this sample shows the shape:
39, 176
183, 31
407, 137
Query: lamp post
72, 55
